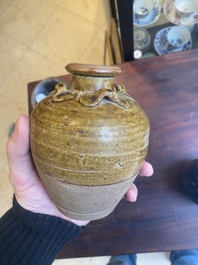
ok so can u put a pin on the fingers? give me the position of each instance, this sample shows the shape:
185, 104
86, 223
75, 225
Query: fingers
146, 169
132, 194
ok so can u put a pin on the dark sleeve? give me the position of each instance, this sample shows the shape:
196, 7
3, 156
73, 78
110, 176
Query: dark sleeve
32, 238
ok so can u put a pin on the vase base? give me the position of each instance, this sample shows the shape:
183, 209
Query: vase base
86, 216
85, 203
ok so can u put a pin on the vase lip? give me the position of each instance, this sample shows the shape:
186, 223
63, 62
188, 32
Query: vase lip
93, 70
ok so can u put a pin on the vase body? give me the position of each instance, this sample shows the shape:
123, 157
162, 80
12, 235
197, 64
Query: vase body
88, 141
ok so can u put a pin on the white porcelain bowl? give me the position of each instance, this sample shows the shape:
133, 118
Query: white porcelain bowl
178, 36
142, 7
186, 7
142, 39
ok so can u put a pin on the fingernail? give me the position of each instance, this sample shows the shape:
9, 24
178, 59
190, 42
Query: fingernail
11, 130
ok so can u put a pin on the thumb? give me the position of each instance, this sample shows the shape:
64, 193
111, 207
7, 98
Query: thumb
21, 167
19, 140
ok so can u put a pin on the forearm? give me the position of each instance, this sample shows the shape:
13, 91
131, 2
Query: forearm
31, 238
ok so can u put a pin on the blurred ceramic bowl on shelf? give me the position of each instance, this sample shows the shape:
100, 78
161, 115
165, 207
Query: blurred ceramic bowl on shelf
42, 89
172, 15
142, 39
142, 7
148, 55
186, 7
162, 46
191, 28
178, 36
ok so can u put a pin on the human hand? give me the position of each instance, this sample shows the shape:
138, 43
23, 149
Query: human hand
29, 190
146, 171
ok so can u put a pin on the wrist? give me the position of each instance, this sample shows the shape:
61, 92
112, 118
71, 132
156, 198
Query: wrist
35, 238
45, 207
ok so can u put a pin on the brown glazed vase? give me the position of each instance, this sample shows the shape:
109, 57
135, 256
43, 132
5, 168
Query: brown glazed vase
88, 141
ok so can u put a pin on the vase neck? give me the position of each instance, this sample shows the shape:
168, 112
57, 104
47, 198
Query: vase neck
88, 77
91, 83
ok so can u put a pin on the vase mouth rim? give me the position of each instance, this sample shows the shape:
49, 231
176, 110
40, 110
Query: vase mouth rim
93, 70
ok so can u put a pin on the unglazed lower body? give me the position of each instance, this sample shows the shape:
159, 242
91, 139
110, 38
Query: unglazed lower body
85, 202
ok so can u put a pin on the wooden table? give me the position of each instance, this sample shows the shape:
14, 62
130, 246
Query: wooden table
163, 218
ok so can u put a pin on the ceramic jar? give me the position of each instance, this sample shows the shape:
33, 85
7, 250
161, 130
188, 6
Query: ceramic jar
88, 141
